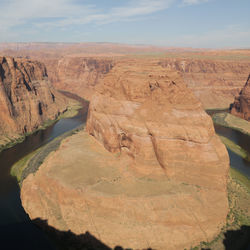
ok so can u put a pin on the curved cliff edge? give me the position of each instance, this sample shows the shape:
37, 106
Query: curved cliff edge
241, 105
27, 99
78, 74
215, 83
152, 175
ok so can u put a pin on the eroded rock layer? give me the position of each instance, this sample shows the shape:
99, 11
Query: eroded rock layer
215, 83
147, 112
77, 74
27, 99
161, 183
241, 105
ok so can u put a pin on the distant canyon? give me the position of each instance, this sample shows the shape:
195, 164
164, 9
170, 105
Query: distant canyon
148, 170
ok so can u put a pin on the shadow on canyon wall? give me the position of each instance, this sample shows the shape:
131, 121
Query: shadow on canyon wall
234, 240
66, 240
238, 239
24, 236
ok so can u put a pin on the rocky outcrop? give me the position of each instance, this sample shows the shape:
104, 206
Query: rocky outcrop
162, 181
215, 76
241, 105
27, 98
78, 75
215, 83
149, 113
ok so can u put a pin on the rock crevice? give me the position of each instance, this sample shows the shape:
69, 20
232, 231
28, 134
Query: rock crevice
241, 105
27, 99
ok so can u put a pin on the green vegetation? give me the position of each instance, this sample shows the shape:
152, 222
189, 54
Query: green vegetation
31, 162
71, 111
235, 148
10, 142
238, 216
240, 178
231, 121
18, 168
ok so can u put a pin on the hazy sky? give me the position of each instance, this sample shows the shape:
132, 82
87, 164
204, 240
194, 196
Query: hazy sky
192, 23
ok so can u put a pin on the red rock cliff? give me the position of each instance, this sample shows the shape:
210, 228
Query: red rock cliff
215, 83
241, 105
27, 98
148, 113
78, 75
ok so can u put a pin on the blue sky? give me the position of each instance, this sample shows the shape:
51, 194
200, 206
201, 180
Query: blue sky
180, 23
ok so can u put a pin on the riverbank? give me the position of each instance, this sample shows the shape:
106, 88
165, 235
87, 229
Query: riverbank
235, 148
31, 162
231, 121
70, 111
13, 219
238, 196
236, 233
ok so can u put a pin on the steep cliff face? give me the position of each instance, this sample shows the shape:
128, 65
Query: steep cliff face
161, 183
148, 113
241, 105
27, 99
215, 83
78, 75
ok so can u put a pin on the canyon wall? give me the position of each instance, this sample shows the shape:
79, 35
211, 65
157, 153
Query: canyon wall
241, 105
77, 74
215, 76
215, 83
27, 98
161, 183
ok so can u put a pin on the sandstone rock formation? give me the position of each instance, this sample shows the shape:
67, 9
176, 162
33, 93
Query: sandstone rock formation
162, 181
215, 76
241, 105
149, 113
78, 75
27, 98
215, 83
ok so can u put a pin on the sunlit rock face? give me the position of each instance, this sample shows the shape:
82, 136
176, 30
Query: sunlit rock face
148, 172
148, 113
27, 98
241, 105
77, 74
214, 82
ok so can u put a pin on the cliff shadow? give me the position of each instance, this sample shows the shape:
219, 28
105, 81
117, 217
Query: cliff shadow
67, 240
237, 239
24, 236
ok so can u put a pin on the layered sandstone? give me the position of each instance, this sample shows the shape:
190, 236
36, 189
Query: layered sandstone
160, 183
147, 112
78, 74
27, 98
215, 83
241, 105
215, 76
